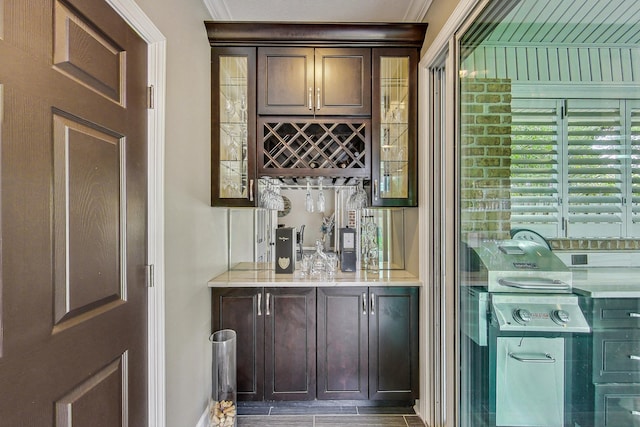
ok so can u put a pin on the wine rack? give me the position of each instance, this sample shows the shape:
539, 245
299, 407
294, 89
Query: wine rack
314, 147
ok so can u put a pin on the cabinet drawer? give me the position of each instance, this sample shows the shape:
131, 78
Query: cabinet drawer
616, 356
617, 405
616, 313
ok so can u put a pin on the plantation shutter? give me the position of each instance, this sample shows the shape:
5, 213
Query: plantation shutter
634, 132
534, 166
595, 160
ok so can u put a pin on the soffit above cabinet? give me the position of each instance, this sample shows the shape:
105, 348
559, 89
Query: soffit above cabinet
316, 33
319, 10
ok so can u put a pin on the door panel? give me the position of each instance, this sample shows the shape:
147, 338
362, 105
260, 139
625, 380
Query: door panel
73, 197
393, 343
343, 343
343, 81
290, 343
285, 80
241, 310
88, 216
87, 57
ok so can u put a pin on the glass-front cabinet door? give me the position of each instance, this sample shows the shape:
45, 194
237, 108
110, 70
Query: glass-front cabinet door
233, 126
394, 165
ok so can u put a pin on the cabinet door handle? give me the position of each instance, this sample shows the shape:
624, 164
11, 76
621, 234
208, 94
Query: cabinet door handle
373, 304
375, 189
545, 358
268, 308
634, 357
318, 103
259, 303
634, 314
250, 195
636, 413
364, 303
310, 98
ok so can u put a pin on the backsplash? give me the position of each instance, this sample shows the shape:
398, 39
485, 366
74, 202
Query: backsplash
594, 244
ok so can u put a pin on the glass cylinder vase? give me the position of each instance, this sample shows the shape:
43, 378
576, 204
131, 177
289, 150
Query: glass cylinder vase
223, 404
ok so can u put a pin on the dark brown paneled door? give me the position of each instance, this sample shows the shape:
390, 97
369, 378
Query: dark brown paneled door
73, 316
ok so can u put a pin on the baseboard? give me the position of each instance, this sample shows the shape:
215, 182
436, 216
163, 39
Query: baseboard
204, 419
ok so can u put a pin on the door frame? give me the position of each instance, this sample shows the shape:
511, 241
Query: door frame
439, 390
156, 78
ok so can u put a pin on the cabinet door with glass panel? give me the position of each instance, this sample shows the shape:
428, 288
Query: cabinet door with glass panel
233, 121
394, 154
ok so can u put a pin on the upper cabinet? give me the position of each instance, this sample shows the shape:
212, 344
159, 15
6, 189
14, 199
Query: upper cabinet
233, 126
296, 100
308, 81
394, 166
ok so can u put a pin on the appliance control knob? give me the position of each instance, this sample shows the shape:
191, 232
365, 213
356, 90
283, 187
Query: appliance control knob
522, 315
561, 317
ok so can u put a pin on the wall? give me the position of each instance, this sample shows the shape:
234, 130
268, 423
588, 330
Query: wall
486, 157
437, 15
193, 255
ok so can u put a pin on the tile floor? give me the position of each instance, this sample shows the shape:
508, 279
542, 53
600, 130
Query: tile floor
353, 416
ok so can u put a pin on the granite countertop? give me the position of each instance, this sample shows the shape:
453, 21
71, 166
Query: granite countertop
607, 282
262, 274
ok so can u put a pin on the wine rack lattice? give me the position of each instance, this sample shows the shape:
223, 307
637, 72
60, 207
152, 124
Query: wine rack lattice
314, 148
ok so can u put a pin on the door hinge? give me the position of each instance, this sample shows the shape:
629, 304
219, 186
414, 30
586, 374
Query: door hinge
149, 273
150, 97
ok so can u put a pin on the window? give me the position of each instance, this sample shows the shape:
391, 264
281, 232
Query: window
575, 167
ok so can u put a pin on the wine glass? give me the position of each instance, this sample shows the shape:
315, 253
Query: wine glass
309, 204
229, 109
321, 200
243, 108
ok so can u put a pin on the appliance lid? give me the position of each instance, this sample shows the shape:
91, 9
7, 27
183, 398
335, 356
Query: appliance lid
523, 266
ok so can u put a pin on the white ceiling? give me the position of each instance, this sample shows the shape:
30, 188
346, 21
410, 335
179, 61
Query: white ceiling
545, 22
318, 11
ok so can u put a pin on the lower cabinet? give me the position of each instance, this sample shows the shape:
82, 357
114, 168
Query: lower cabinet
275, 339
366, 343
607, 378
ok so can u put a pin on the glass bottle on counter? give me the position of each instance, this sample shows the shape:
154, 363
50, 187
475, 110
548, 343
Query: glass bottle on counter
370, 252
319, 262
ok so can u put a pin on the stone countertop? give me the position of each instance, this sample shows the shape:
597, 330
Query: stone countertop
262, 274
607, 282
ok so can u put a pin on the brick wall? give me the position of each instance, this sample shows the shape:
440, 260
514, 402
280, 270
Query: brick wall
485, 158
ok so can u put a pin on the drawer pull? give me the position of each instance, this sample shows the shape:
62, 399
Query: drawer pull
636, 413
634, 357
546, 358
634, 314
